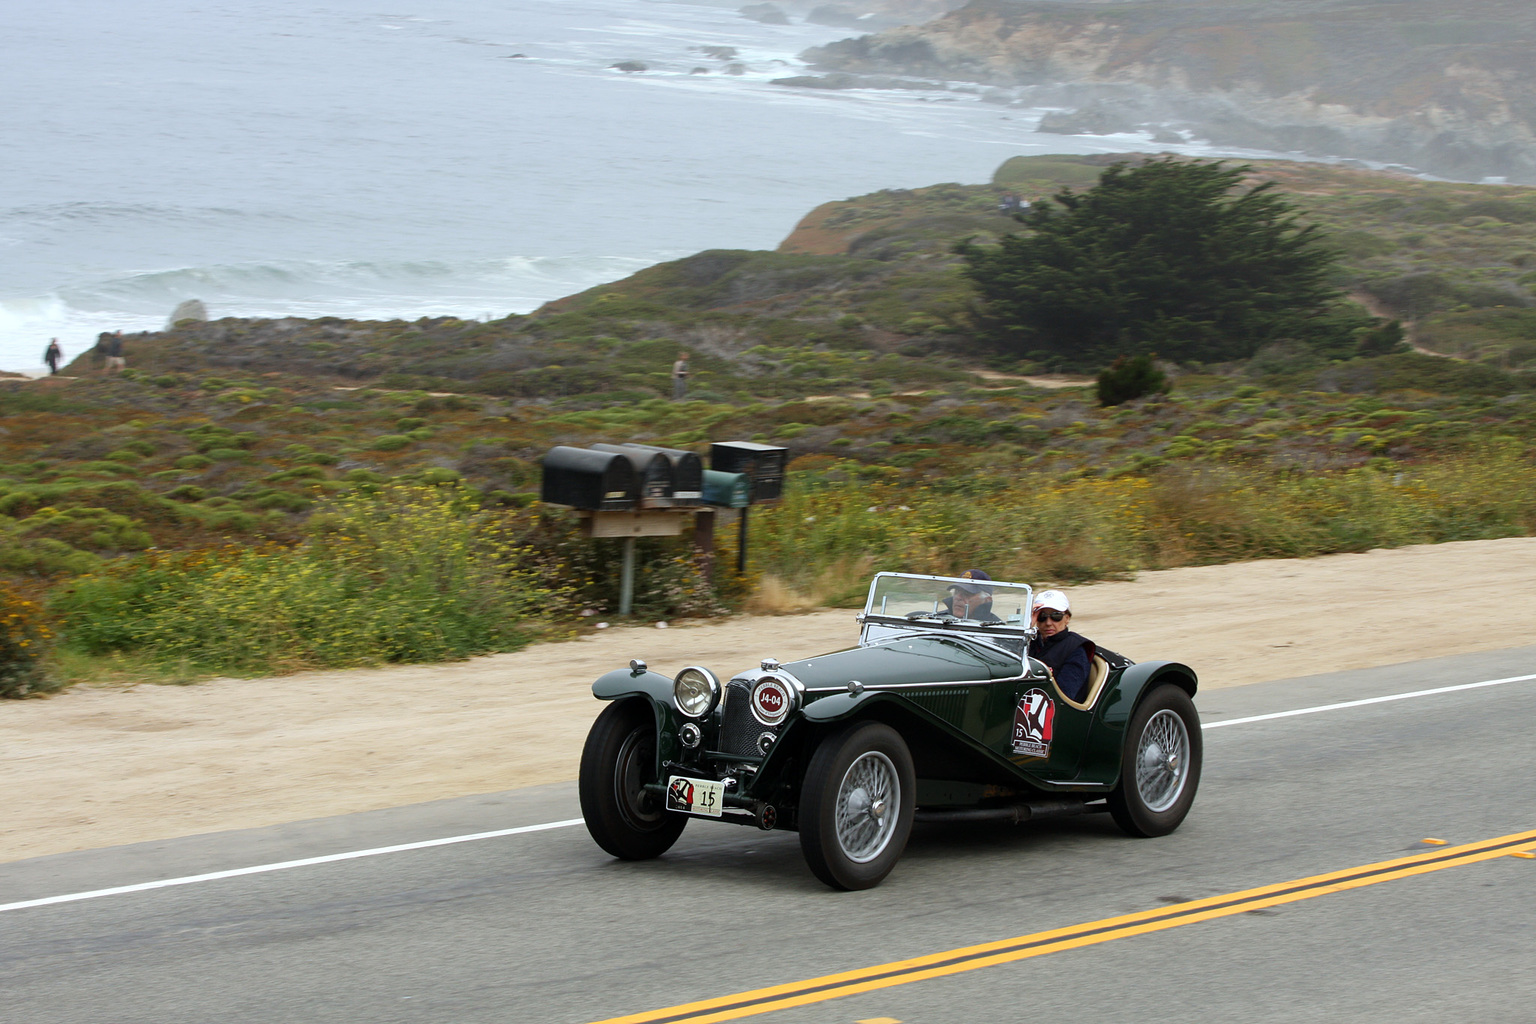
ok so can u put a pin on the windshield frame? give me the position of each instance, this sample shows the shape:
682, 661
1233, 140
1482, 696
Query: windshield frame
877, 610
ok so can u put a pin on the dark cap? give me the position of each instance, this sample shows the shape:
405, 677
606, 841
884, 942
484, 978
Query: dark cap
972, 574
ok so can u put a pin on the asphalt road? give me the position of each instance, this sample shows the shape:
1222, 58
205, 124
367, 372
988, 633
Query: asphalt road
542, 927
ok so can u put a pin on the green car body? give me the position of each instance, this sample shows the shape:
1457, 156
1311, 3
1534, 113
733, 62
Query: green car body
987, 731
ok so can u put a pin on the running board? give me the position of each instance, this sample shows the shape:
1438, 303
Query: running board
1012, 814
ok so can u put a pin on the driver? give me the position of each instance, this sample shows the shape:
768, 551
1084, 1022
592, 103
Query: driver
1067, 654
971, 600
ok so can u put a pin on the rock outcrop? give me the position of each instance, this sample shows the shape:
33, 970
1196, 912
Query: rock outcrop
190, 309
1446, 88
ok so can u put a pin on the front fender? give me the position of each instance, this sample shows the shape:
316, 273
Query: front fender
1106, 737
839, 706
625, 683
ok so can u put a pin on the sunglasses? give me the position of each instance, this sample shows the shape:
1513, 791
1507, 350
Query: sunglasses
1049, 613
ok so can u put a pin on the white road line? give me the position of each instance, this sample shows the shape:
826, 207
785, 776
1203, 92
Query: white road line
546, 826
1368, 700
284, 865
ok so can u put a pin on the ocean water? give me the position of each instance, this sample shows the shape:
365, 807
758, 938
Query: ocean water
429, 157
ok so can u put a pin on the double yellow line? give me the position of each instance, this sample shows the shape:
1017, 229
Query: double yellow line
970, 958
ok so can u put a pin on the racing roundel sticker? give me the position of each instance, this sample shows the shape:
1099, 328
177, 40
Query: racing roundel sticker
770, 701
1034, 721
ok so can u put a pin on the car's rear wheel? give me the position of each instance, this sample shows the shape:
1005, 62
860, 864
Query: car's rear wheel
1159, 764
617, 762
857, 805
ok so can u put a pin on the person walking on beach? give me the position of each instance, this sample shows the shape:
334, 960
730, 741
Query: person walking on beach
680, 377
52, 355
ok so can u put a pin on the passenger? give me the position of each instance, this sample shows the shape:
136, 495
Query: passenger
971, 600
1067, 654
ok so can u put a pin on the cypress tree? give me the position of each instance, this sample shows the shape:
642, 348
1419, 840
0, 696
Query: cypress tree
1181, 258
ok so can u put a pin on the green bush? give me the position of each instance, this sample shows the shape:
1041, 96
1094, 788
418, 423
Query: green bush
390, 442
409, 575
44, 556
1129, 378
97, 528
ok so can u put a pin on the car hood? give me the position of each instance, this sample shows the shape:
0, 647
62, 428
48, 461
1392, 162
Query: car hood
916, 659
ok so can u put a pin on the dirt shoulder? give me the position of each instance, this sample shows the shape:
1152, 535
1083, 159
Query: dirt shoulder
100, 767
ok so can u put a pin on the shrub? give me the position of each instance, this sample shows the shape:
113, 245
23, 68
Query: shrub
1129, 378
410, 575
98, 528
24, 638
1384, 340
390, 442
44, 556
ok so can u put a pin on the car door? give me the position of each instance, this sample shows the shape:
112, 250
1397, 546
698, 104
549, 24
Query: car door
1047, 735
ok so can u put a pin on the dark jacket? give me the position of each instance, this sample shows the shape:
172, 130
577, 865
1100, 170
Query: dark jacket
1069, 656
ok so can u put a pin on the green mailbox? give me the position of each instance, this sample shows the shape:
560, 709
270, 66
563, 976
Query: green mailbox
731, 490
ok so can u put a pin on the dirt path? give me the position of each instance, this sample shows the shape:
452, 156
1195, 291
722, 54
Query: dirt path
98, 767
1049, 381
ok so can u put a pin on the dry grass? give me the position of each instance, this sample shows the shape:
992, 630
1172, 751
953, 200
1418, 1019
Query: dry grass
774, 596
841, 584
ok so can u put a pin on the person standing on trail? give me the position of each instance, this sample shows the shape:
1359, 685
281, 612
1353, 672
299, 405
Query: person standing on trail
52, 355
680, 377
114, 352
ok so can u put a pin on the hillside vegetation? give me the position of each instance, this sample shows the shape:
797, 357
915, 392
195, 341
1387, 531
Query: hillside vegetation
259, 495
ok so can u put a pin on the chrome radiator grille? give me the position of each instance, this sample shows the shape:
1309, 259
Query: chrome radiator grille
738, 729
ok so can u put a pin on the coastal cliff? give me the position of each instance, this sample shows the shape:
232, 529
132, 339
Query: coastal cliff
1447, 89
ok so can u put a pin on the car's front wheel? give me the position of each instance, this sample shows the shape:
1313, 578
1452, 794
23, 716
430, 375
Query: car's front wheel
617, 762
856, 805
1159, 764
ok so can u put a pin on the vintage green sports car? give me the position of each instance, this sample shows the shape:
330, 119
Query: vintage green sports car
931, 717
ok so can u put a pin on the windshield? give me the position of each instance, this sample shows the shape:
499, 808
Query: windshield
897, 596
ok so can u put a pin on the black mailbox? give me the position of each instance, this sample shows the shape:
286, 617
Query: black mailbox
762, 463
601, 481
653, 473
687, 472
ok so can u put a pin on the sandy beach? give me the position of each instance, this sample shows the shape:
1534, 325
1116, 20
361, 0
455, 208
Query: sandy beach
102, 766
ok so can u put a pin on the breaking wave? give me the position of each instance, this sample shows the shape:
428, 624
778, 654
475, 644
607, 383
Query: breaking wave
357, 290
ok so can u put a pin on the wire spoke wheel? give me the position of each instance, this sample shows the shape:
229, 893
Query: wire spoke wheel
865, 807
1162, 761
857, 803
1159, 763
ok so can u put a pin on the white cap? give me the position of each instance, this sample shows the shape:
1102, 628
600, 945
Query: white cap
1052, 599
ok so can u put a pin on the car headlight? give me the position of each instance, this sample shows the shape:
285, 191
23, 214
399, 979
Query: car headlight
696, 691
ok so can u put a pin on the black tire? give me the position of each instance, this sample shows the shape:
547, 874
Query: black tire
1159, 764
867, 846
620, 756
